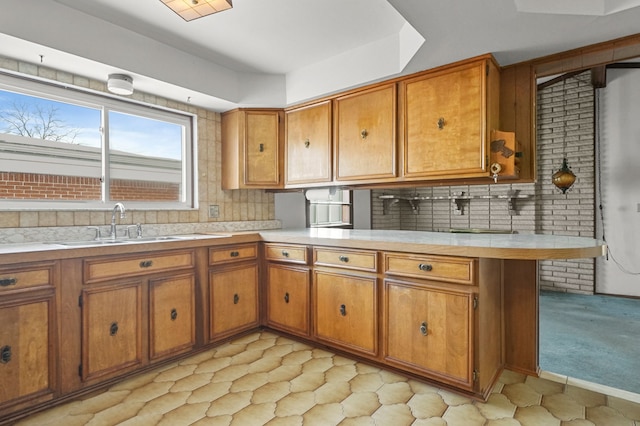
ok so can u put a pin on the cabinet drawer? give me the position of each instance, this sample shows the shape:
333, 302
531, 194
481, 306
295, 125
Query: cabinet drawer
232, 253
107, 268
25, 277
451, 269
286, 253
351, 259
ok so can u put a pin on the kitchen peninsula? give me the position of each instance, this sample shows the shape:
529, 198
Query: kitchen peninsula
454, 309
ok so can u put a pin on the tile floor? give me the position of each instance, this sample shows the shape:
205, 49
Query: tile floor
267, 379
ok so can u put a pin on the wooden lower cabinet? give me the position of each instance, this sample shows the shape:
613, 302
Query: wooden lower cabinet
429, 330
233, 302
26, 370
288, 298
345, 311
172, 307
112, 321
28, 341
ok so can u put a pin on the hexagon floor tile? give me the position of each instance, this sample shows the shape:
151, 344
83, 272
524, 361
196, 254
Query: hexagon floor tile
266, 379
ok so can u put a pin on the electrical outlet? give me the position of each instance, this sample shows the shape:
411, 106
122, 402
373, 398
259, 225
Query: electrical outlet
214, 211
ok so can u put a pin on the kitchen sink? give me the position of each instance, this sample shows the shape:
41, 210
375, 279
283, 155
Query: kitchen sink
105, 242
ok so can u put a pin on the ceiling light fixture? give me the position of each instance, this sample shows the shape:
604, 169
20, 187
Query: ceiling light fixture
120, 84
194, 9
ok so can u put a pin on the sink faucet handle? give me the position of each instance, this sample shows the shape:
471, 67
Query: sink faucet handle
97, 235
137, 227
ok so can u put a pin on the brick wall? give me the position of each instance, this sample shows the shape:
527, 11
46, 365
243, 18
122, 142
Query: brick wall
32, 186
545, 211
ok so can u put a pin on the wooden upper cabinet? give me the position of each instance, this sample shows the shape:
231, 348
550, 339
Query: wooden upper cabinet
252, 142
365, 135
445, 120
308, 144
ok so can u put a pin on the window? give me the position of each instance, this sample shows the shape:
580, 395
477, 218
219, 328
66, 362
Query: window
64, 148
329, 208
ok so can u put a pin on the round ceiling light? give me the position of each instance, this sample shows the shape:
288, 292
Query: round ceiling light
120, 84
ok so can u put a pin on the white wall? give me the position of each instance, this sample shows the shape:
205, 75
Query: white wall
619, 130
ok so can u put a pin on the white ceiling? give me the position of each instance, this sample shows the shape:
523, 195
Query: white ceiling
281, 52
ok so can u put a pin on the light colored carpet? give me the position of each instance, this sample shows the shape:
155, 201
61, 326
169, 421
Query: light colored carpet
591, 337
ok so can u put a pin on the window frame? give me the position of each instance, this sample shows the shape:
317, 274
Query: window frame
104, 102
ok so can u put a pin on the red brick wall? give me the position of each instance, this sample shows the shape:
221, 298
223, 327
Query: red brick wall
32, 186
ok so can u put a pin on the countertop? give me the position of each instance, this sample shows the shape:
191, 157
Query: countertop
498, 246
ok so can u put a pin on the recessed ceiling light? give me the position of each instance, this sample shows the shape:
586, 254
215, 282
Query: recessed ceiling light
194, 9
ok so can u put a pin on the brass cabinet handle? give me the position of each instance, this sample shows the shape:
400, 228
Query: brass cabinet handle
234, 254
286, 298
307, 143
174, 314
146, 263
441, 123
364, 134
344, 259
425, 267
343, 310
423, 328
236, 299
113, 329
5, 354
6, 282
285, 253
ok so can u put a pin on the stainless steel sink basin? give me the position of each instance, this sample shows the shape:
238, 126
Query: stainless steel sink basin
90, 243
87, 243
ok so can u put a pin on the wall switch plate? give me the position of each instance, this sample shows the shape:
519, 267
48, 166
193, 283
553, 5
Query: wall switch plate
214, 211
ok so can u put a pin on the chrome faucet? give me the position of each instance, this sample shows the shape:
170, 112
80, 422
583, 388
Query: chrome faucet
119, 206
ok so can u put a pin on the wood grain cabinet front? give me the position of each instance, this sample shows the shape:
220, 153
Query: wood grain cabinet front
233, 290
308, 145
446, 117
112, 329
288, 288
430, 331
28, 331
365, 136
252, 143
135, 310
172, 309
345, 298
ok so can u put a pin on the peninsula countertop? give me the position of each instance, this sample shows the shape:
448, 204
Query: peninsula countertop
489, 245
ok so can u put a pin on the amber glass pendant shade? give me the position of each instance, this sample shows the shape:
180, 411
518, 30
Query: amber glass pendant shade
564, 178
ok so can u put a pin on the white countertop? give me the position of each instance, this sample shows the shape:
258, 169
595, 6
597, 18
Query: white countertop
504, 246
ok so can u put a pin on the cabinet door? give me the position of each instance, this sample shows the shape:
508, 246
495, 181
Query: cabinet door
365, 135
252, 148
262, 149
171, 315
111, 328
25, 339
233, 293
443, 123
345, 311
429, 330
308, 144
288, 298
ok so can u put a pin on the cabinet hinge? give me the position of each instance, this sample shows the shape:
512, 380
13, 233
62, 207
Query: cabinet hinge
80, 301
80, 370
475, 375
475, 302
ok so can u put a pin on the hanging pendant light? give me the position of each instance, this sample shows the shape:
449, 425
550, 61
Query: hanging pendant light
564, 178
